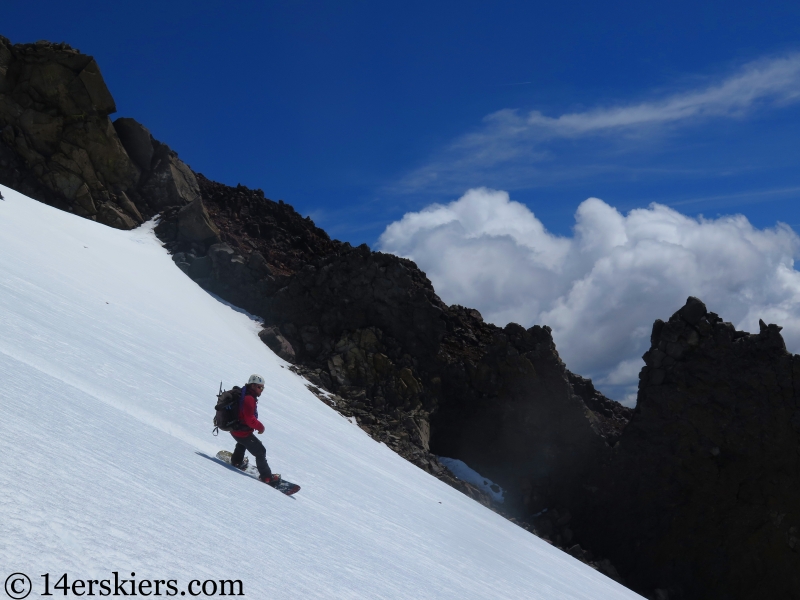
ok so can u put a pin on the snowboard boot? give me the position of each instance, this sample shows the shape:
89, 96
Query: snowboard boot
242, 466
274, 480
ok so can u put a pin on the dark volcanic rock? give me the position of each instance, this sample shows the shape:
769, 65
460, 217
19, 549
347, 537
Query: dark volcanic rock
170, 181
702, 495
511, 413
194, 225
272, 337
612, 417
137, 141
58, 144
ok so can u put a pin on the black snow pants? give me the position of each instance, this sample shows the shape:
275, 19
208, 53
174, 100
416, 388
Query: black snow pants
253, 445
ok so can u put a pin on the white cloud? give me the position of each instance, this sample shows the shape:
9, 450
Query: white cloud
601, 289
776, 81
514, 140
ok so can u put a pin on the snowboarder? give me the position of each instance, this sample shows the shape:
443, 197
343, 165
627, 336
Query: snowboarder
245, 440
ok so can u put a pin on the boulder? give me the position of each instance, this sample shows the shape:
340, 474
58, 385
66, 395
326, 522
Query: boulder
272, 337
113, 216
194, 224
129, 207
170, 181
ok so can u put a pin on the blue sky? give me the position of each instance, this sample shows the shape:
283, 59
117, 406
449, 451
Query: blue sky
339, 107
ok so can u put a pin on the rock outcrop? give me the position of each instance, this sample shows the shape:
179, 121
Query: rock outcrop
58, 144
701, 495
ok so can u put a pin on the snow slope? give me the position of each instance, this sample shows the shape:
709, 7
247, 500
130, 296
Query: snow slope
110, 359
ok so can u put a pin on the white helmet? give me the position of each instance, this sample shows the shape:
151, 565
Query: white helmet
257, 379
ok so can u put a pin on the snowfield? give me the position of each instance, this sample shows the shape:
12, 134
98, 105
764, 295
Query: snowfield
110, 359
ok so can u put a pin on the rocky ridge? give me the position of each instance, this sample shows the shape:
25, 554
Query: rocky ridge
700, 494
58, 144
692, 495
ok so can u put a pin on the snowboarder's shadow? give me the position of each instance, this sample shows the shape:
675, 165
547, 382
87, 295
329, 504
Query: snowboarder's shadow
215, 460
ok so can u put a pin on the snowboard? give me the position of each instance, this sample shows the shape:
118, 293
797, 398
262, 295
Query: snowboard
287, 487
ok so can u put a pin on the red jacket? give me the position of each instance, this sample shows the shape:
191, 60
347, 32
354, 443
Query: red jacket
247, 415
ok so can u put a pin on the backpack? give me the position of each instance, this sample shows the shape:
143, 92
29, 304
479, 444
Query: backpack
227, 417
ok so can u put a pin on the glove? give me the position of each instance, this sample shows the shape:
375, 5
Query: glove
260, 431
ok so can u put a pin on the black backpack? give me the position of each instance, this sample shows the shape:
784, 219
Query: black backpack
227, 417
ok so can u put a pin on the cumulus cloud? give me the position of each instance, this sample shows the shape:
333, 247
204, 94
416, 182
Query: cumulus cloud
512, 141
601, 289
